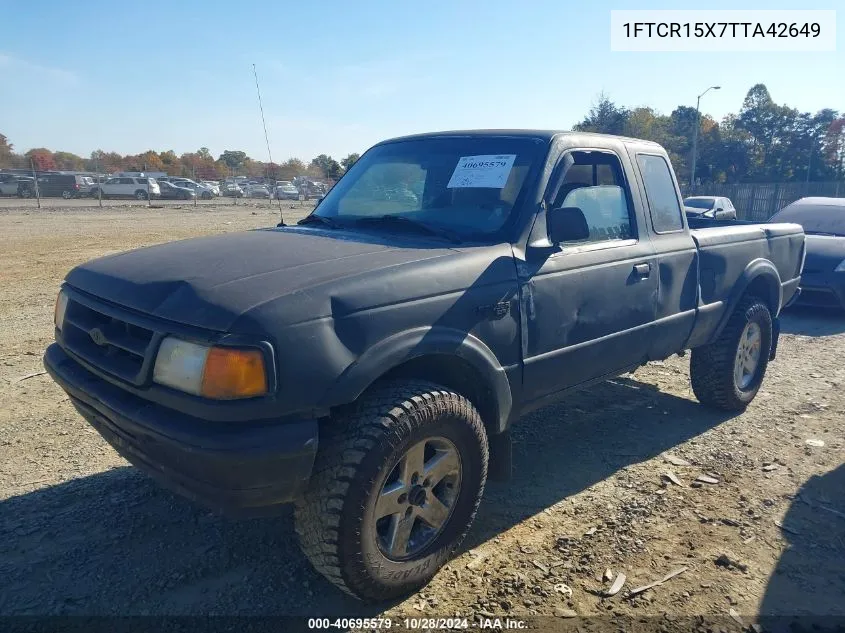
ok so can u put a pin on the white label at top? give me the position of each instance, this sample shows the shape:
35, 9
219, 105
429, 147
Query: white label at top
487, 170
720, 30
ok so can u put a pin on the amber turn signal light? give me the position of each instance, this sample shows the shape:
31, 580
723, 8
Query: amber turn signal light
233, 373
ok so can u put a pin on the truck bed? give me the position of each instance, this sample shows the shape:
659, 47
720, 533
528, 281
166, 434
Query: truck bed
729, 253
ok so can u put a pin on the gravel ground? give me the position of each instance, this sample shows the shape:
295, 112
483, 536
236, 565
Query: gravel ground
605, 483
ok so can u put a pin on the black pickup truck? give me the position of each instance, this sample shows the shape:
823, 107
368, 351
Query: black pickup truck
367, 363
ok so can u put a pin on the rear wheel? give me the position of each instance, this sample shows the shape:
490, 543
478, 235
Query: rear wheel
67, 195
141, 194
396, 486
727, 373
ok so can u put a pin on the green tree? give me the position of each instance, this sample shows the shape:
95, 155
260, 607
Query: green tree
68, 162
604, 117
350, 160
327, 165
233, 159
6, 150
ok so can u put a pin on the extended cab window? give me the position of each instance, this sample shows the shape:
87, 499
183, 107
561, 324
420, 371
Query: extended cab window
660, 191
594, 184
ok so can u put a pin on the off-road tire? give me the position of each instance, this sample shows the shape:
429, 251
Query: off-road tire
712, 365
335, 517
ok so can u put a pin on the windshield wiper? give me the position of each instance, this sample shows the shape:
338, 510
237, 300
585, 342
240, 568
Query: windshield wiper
400, 220
319, 219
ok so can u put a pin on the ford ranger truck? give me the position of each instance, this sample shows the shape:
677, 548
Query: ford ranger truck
366, 363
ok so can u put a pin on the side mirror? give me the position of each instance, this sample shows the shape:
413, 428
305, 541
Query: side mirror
566, 224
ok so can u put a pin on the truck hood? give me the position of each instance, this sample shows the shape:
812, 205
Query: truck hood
211, 282
824, 253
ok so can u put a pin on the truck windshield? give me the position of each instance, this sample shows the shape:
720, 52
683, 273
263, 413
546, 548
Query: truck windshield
468, 186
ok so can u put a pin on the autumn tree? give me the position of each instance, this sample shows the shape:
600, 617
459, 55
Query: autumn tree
42, 158
291, 168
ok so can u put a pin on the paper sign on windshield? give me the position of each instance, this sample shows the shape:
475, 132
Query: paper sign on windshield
489, 171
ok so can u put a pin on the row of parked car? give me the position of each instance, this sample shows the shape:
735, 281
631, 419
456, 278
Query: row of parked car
164, 187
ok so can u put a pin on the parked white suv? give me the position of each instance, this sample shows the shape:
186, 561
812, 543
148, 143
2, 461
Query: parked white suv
124, 186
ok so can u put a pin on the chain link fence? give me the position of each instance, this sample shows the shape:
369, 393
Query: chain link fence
757, 202
31, 188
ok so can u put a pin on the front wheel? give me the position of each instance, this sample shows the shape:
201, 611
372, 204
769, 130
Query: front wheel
396, 486
727, 373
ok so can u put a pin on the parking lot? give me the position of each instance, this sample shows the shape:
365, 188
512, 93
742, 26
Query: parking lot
604, 481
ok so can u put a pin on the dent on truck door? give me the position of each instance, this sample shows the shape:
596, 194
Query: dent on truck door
589, 304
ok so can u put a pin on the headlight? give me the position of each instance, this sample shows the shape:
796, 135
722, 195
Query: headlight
841, 267
61, 308
223, 373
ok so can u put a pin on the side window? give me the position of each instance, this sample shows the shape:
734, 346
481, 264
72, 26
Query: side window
660, 192
595, 184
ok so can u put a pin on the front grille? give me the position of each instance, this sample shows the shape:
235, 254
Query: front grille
106, 341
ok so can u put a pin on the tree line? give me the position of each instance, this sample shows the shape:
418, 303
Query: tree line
763, 142
199, 164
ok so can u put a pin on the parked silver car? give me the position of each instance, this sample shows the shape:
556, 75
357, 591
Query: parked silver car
715, 207
286, 191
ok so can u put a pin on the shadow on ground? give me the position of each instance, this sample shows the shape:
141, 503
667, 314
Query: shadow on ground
813, 321
808, 583
114, 543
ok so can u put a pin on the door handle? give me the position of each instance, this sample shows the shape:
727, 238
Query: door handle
642, 270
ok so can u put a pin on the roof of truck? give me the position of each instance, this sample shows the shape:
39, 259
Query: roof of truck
541, 134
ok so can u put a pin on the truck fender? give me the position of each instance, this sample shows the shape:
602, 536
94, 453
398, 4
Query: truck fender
765, 279
402, 347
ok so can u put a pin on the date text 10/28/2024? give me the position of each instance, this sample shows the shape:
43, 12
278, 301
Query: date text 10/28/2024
424, 624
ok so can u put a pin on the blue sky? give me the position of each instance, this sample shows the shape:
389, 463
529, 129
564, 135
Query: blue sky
337, 77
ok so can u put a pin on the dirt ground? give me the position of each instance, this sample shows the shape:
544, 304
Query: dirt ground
604, 481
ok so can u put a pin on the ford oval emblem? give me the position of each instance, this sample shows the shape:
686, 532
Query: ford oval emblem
97, 336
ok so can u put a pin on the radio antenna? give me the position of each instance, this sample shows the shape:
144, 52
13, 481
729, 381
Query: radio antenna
267, 140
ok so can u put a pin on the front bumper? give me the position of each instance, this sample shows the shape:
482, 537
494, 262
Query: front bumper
232, 467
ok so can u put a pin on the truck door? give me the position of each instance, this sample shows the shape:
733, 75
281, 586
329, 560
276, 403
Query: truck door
677, 255
589, 304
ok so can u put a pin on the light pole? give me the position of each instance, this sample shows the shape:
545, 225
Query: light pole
695, 134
